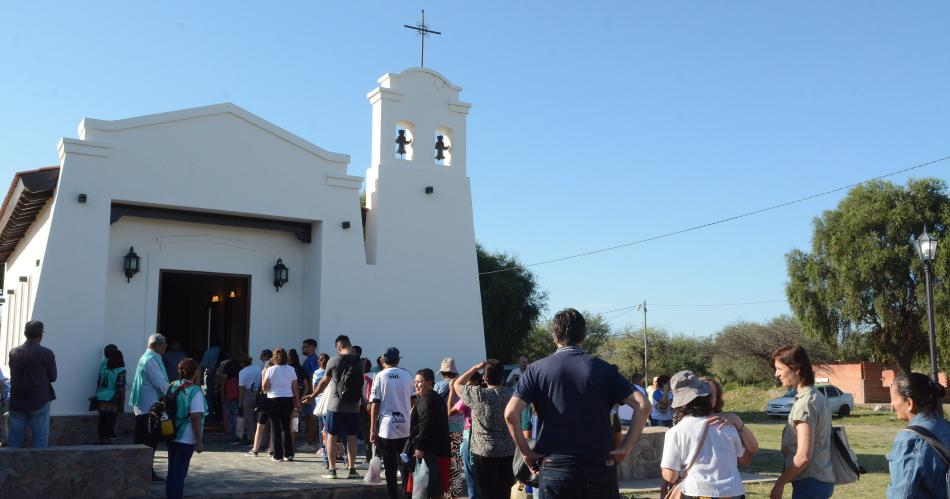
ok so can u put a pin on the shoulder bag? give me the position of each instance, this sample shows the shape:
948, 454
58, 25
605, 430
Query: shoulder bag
843, 460
937, 446
672, 490
321, 409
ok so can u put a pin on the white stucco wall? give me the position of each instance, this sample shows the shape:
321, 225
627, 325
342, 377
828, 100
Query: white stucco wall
22, 263
414, 284
132, 307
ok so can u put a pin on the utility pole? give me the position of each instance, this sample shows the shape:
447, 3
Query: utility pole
643, 306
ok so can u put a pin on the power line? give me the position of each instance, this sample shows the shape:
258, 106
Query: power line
715, 304
717, 222
696, 305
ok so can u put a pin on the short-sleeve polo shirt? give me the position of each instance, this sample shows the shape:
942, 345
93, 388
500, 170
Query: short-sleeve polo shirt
573, 393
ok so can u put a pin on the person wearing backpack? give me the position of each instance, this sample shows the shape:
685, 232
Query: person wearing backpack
186, 405
343, 407
919, 456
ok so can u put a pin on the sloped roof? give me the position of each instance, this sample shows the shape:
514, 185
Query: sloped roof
28, 194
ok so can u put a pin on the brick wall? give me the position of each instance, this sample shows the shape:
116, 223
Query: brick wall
875, 391
863, 380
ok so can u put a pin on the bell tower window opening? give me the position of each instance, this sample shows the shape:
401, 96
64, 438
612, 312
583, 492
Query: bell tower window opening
403, 140
443, 147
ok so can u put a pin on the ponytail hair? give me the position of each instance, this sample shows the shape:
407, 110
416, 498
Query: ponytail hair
926, 394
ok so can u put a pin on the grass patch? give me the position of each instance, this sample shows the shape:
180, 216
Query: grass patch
870, 434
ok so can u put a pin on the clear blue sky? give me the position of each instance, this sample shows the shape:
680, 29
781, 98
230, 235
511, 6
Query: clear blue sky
591, 126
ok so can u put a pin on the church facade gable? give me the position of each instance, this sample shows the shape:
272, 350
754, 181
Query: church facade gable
212, 201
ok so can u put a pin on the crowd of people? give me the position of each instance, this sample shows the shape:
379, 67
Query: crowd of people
560, 416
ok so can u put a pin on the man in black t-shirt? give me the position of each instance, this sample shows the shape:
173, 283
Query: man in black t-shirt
573, 393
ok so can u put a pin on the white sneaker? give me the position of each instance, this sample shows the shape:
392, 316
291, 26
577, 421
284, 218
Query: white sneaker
321, 452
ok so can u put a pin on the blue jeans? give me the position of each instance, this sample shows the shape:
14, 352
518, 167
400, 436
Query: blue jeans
578, 477
179, 457
661, 422
232, 418
467, 460
810, 488
38, 423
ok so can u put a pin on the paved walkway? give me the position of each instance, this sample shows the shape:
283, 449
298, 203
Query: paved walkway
224, 471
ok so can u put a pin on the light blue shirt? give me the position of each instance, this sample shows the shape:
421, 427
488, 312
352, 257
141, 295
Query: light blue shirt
5, 389
916, 469
210, 358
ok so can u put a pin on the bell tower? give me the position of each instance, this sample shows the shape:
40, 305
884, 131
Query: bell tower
418, 165
420, 238
410, 111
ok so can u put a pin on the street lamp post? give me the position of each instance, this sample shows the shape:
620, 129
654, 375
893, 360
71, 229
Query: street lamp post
927, 249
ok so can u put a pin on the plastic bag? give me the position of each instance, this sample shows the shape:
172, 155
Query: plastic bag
420, 481
373, 472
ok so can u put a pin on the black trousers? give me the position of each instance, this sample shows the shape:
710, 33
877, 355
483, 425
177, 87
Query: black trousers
493, 476
388, 450
141, 433
279, 410
106, 425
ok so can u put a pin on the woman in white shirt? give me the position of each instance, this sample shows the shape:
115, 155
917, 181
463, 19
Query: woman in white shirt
708, 454
283, 398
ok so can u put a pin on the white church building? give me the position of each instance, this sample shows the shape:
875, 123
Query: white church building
212, 225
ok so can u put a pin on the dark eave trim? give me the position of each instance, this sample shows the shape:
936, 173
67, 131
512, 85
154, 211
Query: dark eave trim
302, 230
28, 194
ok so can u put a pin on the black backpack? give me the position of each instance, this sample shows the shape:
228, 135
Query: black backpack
349, 386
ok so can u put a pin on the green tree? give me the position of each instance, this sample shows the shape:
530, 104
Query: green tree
668, 353
742, 352
512, 301
539, 343
863, 284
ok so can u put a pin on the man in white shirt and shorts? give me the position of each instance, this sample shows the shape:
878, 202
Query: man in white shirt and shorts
390, 406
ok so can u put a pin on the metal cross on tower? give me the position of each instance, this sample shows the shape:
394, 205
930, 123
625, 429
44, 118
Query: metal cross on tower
423, 29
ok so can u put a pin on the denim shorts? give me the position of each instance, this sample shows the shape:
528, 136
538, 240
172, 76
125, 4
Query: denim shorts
343, 424
810, 488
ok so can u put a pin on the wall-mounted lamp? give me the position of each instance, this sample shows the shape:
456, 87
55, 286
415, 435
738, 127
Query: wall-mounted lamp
131, 264
232, 295
215, 299
430, 189
82, 199
346, 225
280, 274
